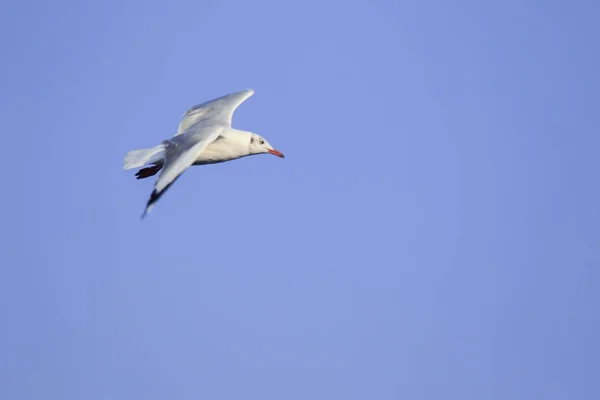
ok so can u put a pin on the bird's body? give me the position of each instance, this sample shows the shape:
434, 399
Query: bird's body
204, 136
230, 145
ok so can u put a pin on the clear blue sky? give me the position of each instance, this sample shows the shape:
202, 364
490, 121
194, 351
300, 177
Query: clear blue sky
433, 232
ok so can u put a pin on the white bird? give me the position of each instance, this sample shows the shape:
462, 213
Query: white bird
204, 136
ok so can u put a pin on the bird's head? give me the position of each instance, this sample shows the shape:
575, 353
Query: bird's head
259, 145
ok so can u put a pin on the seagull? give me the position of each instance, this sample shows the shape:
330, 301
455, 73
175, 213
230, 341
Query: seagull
204, 136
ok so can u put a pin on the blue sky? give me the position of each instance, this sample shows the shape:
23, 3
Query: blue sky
432, 233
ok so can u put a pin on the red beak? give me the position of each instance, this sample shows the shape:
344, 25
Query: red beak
276, 153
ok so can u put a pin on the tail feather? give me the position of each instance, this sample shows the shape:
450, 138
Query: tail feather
141, 157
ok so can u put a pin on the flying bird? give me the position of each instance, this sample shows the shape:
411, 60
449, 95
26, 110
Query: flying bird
204, 136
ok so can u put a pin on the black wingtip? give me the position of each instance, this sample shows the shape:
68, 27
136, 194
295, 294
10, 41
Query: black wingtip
154, 197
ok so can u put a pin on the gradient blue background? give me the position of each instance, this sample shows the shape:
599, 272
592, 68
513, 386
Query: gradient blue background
433, 232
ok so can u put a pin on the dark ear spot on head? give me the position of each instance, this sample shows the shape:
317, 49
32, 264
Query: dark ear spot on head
251, 139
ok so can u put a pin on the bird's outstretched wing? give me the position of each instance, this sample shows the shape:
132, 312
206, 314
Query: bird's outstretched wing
180, 152
214, 112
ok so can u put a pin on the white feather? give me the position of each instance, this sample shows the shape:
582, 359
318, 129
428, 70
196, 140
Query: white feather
141, 157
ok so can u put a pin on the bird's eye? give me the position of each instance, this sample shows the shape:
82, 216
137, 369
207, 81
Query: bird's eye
261, 141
